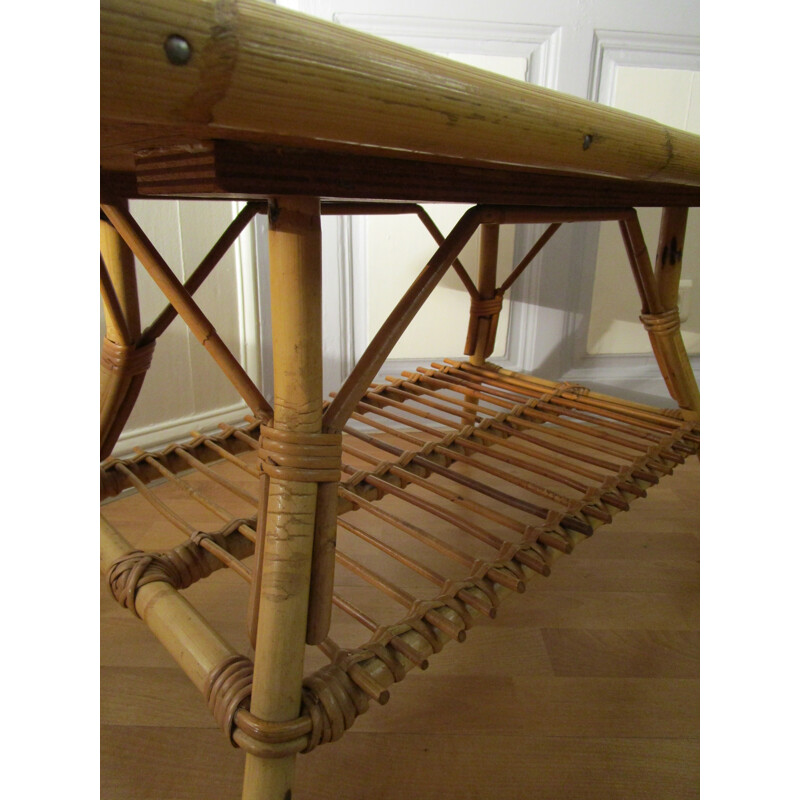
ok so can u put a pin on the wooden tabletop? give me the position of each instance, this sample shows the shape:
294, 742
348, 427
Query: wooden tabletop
247, 100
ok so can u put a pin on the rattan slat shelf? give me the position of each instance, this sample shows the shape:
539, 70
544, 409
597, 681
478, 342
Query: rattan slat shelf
447, 473
375, 526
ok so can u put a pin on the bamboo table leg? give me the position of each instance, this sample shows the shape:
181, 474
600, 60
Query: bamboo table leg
121, 300
487, 278
677, 368
287, 527
478, 345
659, 294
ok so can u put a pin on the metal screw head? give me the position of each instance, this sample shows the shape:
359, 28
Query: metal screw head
178, 50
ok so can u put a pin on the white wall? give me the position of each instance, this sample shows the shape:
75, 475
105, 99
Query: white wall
397, 248
184, 389
589, 50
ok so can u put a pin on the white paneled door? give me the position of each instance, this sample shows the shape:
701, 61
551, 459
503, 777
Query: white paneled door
574, 314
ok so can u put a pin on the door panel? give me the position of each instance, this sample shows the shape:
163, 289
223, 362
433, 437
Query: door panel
580, 48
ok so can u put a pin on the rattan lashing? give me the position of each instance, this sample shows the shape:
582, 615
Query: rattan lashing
305, 457
127, 360
180, 567
333, 697
483, 309
665, 324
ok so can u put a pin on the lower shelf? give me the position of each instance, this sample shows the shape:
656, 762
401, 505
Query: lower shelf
460, 485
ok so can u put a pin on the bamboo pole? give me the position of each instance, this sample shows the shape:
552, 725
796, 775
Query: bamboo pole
239, 434
197, 321
669, 255
118, 390
119, 261
322, 564
659, 313
482, 345
116, 325
223, 453
640, 263
287, 510
668, 344
459, 268
187, 637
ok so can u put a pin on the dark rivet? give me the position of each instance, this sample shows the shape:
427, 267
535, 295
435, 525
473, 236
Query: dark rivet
178, 50
587, 141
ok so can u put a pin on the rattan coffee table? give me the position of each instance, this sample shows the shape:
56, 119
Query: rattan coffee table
300, 118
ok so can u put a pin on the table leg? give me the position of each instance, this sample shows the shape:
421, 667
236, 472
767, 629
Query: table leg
287, 510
